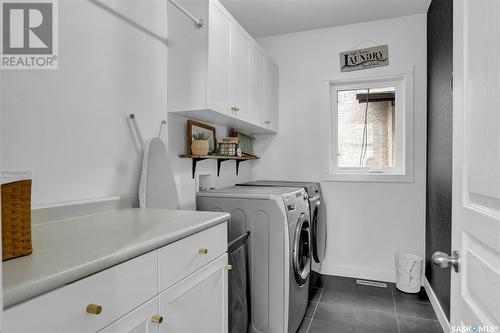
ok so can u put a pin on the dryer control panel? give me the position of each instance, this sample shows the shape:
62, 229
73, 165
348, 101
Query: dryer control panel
292, 200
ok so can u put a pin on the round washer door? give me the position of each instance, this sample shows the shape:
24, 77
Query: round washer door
301, 250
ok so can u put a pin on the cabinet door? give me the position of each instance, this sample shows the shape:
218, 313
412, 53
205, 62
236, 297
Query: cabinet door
257, 87
270, 112
240, 72
198, 303
219, 59
144, 319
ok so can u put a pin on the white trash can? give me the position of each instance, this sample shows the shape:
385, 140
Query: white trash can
408, 272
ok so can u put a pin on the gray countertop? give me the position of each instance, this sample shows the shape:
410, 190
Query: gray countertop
67, 250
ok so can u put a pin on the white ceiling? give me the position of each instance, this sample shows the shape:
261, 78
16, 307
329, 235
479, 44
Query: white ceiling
274, 17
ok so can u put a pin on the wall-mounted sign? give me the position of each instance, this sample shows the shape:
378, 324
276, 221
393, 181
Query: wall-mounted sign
364, 58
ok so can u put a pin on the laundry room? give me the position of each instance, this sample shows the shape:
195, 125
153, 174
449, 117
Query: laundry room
234, 166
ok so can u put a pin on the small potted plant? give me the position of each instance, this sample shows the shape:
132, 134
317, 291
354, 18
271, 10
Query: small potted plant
199, 145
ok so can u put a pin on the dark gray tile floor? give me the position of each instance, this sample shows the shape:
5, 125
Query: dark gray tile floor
339, 305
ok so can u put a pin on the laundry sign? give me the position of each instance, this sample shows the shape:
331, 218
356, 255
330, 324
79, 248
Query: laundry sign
364, 58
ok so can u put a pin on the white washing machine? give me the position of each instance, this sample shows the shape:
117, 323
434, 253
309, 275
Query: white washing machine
279, 253
318, 219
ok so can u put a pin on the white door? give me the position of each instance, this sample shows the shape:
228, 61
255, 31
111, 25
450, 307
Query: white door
475, 289
257, 86
270, 112
145, 319
240, 72
219, 59
197, 304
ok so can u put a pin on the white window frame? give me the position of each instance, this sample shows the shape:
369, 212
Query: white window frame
402, 79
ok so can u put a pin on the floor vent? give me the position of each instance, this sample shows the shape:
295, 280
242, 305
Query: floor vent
371, 283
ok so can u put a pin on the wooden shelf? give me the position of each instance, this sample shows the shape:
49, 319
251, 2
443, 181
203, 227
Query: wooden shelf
220, 159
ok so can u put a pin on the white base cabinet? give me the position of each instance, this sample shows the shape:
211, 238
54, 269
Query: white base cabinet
198, 304
181, 287
116, 290
142, 320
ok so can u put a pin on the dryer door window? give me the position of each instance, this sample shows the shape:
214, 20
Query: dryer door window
301, 250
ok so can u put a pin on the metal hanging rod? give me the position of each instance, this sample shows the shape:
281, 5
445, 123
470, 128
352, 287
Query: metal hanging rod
198, 23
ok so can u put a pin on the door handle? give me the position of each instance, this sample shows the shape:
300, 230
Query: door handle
443, 260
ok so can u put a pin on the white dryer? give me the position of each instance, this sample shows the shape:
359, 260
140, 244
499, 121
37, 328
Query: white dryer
278, 250
318, 219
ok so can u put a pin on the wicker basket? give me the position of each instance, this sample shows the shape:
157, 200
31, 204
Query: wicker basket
16, 219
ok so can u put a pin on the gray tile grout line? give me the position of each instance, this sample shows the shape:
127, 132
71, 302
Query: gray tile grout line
410, 301
395, 310
419, 318
413, 301
315, 308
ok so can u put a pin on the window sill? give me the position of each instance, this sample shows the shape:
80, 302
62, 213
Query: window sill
368, 177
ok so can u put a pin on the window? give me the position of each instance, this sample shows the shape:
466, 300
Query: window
369, 134
366, 128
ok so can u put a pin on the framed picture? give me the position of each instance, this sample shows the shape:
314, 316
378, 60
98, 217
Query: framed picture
194, 128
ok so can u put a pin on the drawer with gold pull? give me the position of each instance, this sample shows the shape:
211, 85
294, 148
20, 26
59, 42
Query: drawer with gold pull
89, 304
143, 319
177, 260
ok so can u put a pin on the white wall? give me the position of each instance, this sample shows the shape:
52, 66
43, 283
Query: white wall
367, 222
70, 127
182, 167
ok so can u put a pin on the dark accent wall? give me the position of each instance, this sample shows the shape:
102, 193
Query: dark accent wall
439, 144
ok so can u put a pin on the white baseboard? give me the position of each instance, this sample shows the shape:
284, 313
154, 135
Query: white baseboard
359, 272
445, 324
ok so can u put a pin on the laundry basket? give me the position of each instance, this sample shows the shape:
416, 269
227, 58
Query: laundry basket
238, 285
16, 214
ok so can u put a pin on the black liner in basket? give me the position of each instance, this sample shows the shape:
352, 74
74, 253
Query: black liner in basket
238, 285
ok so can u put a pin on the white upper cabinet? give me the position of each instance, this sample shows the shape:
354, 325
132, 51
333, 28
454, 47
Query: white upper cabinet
257, 87
217, 73
219, 59
270, 111
240, 72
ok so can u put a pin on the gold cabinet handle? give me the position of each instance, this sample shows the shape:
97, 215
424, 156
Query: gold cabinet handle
203, 250
157, 319
228, 267
94, 309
